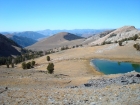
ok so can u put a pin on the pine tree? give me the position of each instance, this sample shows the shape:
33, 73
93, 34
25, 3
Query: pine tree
50, 68
120, 43
135, 37
48, 58
24, 65
28, 65
33, 63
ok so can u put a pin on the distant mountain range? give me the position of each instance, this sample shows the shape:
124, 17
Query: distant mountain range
8, 47
29, 34
22, 41
79, 32
5, 33
28, 39
38, 35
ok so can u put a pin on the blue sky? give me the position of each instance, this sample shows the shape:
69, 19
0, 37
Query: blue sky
32, 15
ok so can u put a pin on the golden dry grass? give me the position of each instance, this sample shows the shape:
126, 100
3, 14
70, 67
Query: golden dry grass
72, 67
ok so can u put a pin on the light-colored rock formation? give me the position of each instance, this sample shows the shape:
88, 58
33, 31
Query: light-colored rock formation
96, 37
117, 35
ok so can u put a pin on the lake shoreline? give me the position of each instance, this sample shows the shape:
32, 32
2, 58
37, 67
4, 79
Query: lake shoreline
108, 65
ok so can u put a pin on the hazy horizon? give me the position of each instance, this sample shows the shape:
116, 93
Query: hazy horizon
30, 15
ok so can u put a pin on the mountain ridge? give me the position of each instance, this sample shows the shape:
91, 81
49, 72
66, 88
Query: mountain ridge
8, 47
78, 32
56, 41
22, 41
117, 35
29, 34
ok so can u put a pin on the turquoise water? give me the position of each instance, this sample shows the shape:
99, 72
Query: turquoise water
114, 67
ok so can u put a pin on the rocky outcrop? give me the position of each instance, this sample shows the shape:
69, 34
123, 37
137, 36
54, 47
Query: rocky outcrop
117, 92
97, 36
117, 35
122, 33
126, 79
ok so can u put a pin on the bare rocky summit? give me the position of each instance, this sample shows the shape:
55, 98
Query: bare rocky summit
117, 35
96, 37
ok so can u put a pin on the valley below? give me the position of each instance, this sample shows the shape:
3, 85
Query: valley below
75, 81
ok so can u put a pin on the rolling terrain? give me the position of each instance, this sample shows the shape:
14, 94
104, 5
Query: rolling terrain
79, 32
96, 36
72, 74
56, 41
62, 39
75, 81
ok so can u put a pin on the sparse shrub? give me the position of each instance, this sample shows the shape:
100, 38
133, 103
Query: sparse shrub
50, 68
112, 35
137, 46
24, 65
120, 43
134, 45
116, 42
47, 52
103, 43
62, 48
66, 47
109, 42
77, 45
48, 58
33, 63
81, 45
28, 65
135, 37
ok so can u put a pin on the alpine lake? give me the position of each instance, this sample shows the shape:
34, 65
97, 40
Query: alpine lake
114, 67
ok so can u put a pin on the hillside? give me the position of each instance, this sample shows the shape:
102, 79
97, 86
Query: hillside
56, 41
22, 41
97, 36
75, 81
117, 35
29, 34
8, 47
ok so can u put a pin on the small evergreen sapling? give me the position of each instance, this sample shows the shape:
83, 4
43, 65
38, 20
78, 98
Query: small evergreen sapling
50, 68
